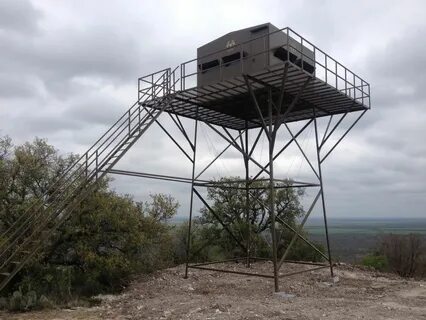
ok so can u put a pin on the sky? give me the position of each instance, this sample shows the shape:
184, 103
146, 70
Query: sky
68, 69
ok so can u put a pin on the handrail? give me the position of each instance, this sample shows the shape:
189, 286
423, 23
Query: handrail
355, 87
76, 167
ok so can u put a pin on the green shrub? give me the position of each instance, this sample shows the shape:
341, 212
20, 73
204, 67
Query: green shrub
378, 262
21, 300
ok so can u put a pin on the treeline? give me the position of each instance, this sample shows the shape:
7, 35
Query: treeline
110, 237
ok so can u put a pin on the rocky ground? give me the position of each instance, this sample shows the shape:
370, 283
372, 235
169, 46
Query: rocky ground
353, 294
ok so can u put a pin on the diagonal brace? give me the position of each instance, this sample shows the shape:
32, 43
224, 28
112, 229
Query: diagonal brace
219, 219
301, 150
302, 238
256, 105
341, 138
299, 229
236, 146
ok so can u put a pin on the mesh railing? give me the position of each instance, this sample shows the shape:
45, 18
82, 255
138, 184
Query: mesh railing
324, 67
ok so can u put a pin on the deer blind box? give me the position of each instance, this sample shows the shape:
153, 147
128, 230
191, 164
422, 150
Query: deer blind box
251, 51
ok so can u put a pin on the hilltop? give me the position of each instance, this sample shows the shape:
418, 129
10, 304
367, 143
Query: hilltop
354, 294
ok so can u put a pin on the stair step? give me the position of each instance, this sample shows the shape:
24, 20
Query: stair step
95, 161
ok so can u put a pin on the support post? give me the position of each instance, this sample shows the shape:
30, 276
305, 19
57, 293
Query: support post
191, 206
247, 204
271, 191
318, 149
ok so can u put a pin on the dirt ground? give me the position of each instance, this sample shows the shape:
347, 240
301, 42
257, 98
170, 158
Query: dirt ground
353, 294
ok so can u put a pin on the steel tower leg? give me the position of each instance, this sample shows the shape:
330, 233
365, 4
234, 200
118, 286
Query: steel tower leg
272, 191
324, 211
191, 206
247, 204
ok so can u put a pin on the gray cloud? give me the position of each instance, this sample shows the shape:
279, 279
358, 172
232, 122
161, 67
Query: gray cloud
68, 70
18, 16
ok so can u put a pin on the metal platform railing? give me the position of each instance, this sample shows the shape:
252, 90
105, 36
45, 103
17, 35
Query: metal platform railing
326, 68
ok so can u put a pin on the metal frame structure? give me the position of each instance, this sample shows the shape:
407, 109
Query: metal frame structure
289, 94
267, 101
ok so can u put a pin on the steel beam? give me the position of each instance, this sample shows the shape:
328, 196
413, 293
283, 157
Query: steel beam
299, 229
219, 220
191, 205
318, 148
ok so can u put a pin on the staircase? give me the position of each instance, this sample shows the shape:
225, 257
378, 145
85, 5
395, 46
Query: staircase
26, 237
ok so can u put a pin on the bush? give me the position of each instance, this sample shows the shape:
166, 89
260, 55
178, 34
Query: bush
375, 261
405, 254
106, 240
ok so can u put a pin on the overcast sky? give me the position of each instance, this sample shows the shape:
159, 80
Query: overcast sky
68, 69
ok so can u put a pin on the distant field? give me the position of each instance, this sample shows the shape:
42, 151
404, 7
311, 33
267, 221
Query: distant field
368, 226
352, 239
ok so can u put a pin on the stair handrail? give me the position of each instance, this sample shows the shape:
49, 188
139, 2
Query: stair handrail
60, 207
85, 156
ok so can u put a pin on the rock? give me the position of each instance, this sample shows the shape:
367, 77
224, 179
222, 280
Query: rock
325, 284
284, 295
45, 302
219, 307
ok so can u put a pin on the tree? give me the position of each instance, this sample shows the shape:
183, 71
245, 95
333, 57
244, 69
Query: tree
106, 239
229, 205
162, 207
26, 172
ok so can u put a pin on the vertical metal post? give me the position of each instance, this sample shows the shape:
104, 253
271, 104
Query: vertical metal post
191, 206
287, 46
272, 190
337, 77
184, 76
326, 68
346, 82
318, 147
247, 204
182, 87
354, 86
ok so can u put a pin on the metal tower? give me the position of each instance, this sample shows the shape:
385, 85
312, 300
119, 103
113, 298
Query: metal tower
294, 81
